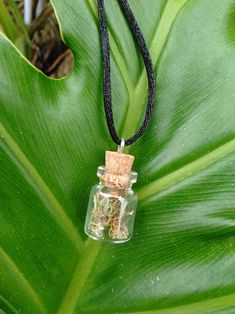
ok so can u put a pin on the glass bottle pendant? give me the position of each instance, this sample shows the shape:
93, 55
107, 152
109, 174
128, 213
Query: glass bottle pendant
112, 203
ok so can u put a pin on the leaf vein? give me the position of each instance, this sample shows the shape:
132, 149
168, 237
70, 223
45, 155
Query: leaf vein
22, 280
58, 211
221, 303
187, 170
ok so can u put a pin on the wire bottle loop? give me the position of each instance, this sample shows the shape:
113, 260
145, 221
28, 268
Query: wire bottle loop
121, 146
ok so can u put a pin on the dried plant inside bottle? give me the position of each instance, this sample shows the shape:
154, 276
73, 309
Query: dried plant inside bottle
112, 203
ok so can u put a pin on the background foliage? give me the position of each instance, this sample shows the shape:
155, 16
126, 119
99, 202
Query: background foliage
33, 28
53, 136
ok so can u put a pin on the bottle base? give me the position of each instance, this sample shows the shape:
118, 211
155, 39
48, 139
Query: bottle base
114, 241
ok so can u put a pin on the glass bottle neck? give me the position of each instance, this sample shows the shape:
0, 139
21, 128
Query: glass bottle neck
116, 180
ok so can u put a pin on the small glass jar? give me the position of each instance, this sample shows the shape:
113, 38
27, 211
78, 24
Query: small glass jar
112, 206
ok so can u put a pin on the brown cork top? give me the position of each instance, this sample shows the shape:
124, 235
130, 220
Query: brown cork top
117, 170
118, 163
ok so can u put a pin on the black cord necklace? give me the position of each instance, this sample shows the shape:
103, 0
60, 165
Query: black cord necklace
112, 204
138, 36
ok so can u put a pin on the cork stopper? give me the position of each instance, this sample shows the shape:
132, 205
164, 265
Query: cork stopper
118, 163
118, 170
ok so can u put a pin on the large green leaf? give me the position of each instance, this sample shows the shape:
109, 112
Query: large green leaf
53, 136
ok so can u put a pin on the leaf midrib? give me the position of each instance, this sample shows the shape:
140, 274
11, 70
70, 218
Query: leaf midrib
92, 248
